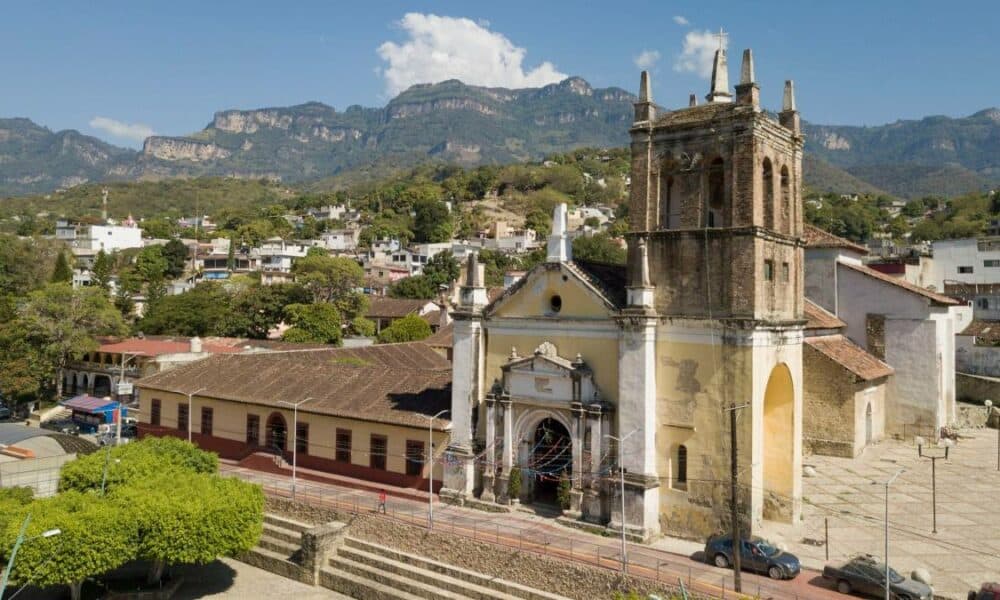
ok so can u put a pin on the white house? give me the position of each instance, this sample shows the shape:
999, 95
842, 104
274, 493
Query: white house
99, 237
278, 255
909, 327
967, 260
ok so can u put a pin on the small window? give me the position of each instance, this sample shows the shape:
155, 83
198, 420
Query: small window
768, 270
302, 438
182, 417
253, 430
414, 457
343, 450
965, 269
991, 263
555, 303
681, 479
784, 272
377, 452
154, 412
206, 420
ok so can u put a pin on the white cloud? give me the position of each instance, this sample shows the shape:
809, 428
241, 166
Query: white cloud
136, 132
681, 20
441, 48
647, 59
697, 53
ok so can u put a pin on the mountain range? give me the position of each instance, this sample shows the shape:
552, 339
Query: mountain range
454, 122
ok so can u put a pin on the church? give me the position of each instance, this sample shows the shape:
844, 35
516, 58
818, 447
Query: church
587, 382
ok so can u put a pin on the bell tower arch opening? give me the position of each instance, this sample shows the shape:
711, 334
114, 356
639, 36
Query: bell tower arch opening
779, 445
716, 194
767, 173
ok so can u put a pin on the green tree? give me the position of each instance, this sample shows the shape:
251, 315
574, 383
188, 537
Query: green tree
191, 518
102, 270
361, 326
333, 279
258, 309
131, 462
598, 248
416, 286
410, 328
314, 323
61, 324
201, 311
62, 273
27, 372
442, 268
176, 255
432, 222
129, 284
540, 221
95, 537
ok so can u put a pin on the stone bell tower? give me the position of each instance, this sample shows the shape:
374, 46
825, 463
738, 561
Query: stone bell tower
717, 189
716, 260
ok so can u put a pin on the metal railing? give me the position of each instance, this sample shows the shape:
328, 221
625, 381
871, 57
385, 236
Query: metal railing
643, 562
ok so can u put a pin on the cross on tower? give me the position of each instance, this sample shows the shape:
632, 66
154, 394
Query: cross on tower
721, 36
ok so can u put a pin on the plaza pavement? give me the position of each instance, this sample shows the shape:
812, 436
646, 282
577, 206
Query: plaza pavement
966, 549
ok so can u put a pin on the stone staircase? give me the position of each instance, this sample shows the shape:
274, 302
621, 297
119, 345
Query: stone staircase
362, 569
279, 549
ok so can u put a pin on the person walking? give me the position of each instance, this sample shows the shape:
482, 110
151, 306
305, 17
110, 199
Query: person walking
381, 501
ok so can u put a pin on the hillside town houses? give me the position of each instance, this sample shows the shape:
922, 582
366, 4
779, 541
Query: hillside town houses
576, 370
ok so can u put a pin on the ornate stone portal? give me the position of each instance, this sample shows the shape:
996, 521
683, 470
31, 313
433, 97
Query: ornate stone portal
539, 401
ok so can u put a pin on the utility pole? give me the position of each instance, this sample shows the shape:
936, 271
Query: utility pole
989, 415
734, 511
621, 472
295, 437
121, 382
430, 468
190, 409
888, 594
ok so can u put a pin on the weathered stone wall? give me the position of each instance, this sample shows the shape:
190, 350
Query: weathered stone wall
828, 406
549, 574
976, 388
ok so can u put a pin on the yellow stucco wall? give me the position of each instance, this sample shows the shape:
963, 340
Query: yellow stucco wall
534, 298
229, 422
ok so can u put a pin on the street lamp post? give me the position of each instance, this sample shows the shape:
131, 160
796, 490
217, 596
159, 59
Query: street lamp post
17, 545
430, 467
989, 413
621, 470
191, 409
295, 437
887, 483
946, 444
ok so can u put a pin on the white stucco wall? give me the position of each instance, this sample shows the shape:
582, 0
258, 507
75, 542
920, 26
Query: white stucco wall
949, 255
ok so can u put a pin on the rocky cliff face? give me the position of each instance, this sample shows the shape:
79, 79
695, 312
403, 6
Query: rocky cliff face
180, 149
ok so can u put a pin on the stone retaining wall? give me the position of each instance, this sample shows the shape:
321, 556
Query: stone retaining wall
552, 575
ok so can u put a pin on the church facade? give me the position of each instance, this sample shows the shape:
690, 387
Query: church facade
584, 375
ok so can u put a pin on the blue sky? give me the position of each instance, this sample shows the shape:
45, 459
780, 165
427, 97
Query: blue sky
119, 70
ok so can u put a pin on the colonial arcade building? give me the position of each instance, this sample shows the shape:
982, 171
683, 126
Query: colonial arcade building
581, 370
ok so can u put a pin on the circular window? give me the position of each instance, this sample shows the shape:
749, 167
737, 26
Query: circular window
555, 303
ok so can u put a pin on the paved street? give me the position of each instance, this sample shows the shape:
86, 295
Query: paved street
531, 533
965, 551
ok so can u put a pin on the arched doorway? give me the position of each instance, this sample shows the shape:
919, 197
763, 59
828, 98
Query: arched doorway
85, 384
102, 386
551, 457
868, 424
277, 432
779, 448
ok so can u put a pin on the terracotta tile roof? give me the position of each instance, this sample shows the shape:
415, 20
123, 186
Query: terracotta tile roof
938, 299
818, 317
155, 347
817, 238
393, 308
850, 356
392, 383
986, 332
443, 338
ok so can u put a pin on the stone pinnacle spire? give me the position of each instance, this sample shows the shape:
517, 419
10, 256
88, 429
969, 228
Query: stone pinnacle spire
693, 100
788, 101
644, 110
746, 70
720, 79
